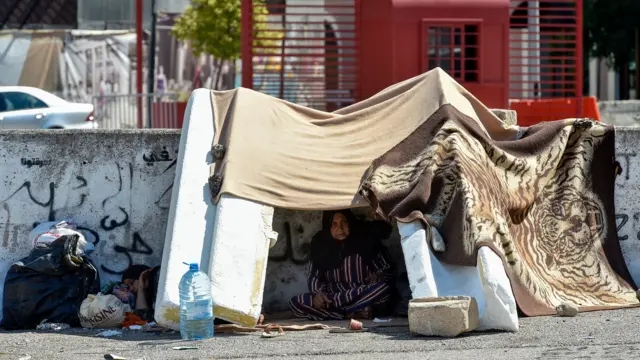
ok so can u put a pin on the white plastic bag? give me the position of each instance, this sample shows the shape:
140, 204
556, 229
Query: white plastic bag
102, 311
47, 232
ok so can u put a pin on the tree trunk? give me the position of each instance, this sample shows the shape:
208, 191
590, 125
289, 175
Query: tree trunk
215, 70
218, 74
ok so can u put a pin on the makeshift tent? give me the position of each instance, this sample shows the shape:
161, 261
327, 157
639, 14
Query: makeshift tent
523, 216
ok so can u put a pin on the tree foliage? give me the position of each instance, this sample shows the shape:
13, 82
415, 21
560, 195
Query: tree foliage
610, 27
214, 26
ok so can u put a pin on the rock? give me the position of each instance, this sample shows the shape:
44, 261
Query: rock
443, 316
638, 294
568, 310
437, 242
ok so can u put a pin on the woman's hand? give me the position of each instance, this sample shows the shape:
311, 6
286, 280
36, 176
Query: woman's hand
143, 281
122, 294
321, 301
141, 297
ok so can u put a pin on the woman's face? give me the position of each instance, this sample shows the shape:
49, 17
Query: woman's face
133, 284
339, 227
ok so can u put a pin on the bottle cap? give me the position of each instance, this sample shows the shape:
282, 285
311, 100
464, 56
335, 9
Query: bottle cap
192, 266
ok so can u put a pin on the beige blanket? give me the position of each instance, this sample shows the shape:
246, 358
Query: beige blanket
290, 156
427, 149
543, 203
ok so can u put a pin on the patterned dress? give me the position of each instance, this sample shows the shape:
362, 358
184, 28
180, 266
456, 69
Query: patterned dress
346, 287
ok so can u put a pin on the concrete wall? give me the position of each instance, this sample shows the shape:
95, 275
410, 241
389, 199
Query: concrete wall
627, 197
620, 113
117, 185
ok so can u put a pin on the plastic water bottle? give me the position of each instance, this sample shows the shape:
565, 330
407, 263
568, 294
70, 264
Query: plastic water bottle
196, 313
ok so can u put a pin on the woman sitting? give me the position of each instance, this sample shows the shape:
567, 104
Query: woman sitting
350, 271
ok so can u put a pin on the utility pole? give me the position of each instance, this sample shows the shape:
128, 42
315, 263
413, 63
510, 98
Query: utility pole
139, 60
637, 75
152, 63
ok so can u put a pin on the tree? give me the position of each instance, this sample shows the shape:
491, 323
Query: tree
611, 28
213, 27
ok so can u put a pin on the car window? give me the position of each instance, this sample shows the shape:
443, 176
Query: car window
3, 103
11, 101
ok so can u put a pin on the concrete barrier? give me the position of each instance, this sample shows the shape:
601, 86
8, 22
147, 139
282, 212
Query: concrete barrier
620, 113
117, 184
627, 198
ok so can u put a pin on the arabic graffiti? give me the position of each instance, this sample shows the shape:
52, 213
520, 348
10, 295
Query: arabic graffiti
90, 234
45, 204
138, 246
113, 223
153, 158
104, 198
34, 162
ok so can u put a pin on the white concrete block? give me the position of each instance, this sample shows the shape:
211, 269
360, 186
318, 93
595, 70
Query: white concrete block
417, 258
190, 226
487, 283
230, 239
500, 311
238, 263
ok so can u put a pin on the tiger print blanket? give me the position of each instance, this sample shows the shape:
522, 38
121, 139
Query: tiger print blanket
544, 203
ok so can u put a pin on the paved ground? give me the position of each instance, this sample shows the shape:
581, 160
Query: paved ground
599, 335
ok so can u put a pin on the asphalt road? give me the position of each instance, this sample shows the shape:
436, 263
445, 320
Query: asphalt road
597, 335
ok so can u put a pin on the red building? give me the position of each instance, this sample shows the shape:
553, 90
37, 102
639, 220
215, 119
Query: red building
518, 54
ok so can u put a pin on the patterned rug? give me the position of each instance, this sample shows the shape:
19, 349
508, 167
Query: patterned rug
544, 203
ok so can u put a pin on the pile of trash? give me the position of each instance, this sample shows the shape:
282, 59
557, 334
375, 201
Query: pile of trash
52, 281
57, 286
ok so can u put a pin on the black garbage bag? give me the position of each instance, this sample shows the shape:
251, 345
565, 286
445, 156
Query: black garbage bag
50, 284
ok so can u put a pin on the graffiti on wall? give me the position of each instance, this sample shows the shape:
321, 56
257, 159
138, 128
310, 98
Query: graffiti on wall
627, 222
121, 207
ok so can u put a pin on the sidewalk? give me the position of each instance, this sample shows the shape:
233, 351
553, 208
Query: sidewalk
597, 335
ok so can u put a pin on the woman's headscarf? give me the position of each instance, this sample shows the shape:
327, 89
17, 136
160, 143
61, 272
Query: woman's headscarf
364, 239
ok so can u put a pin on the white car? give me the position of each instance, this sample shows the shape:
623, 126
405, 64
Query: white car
23, 107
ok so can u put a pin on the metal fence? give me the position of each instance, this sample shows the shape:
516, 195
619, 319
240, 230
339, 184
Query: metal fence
546, 49
546, 70
122, 111
308, 53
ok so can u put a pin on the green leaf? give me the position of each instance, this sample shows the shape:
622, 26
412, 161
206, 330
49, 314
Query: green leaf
214, 26
609, 27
